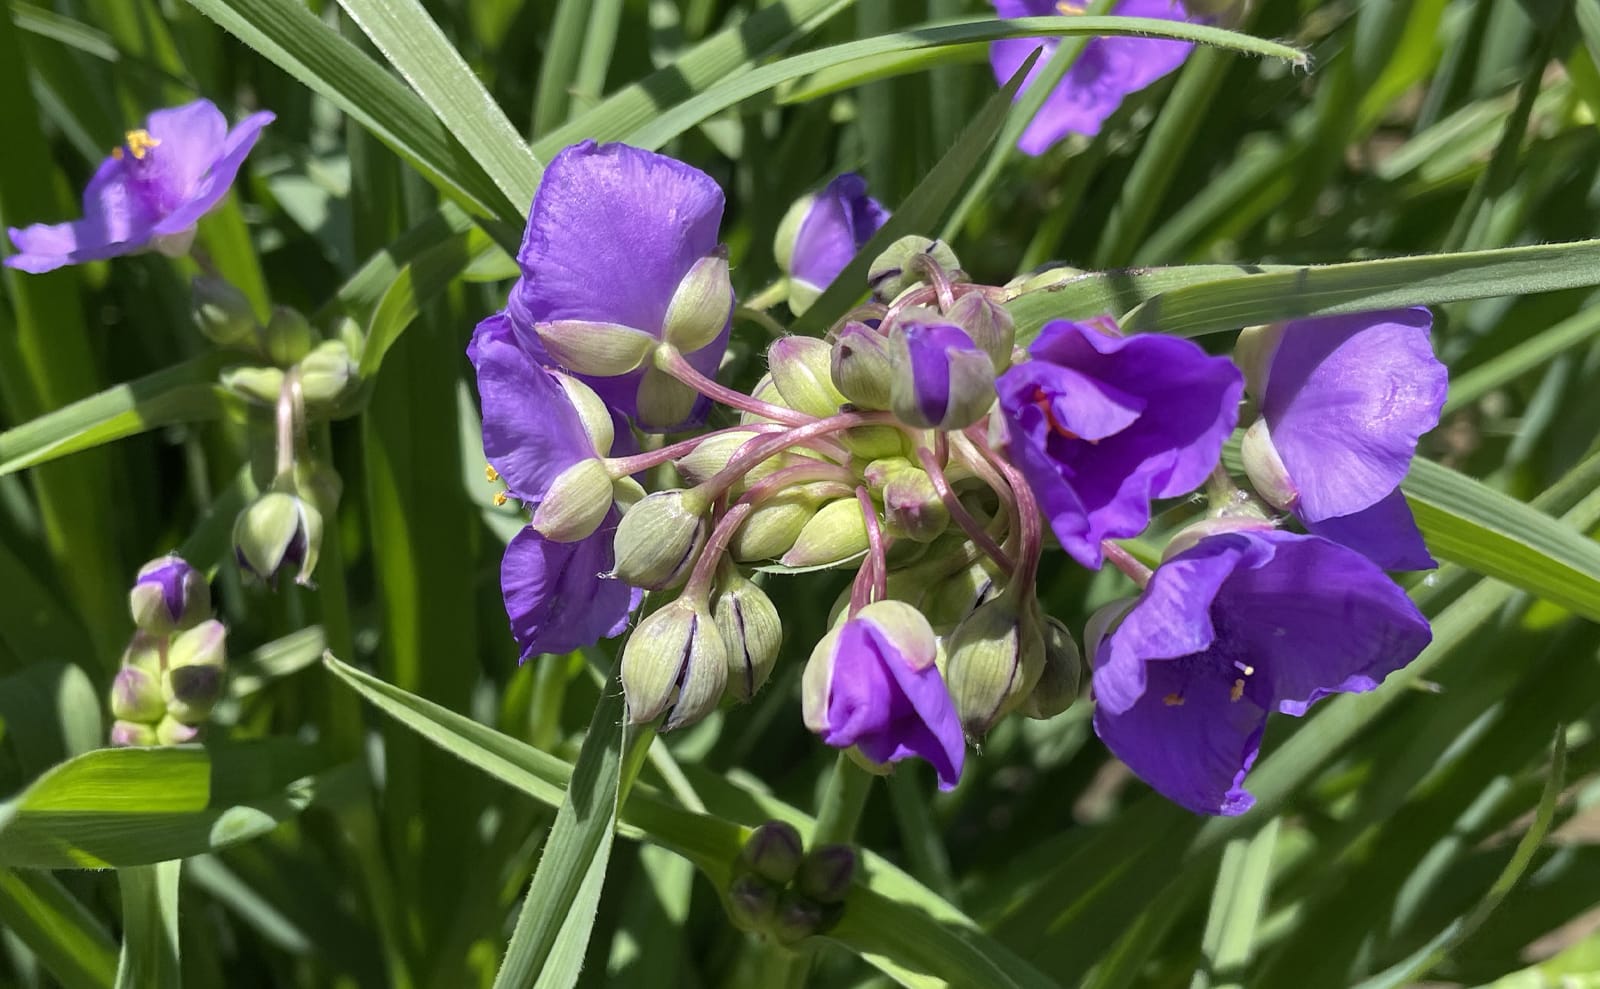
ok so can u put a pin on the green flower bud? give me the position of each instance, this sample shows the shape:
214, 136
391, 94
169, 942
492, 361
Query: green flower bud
860, 366
700, 307
958, 396
592, 412
1264, 467
577, 502
288, 336
713, 453
222, 312
893, 271
801, 371
826, 873
664, 402
1057, 688
948, 602
835, 534
764, 391
988, 323
773, 851
590, 347
204, 645
136, 696
752, 902
659, 538
994, 658
751, 630
771, 529
798, 917
133, 733
327, 374
171, 731
789, 232
256, 385
192, 683
875, 442
675, 663
276, 532
1253, 353
169, 594
911, 505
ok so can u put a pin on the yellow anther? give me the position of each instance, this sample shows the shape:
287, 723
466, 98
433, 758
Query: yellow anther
1237, 691
490, 474
1068, 7
500, 499
1244, 668
1173, 699
139, 143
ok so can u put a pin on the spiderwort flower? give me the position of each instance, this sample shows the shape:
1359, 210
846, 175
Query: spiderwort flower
872, 683
1344, 400
613, 232
150, 193
169, 594
821, 234
1106, 71
1237, 626
1101, 424
533, 434
940, 380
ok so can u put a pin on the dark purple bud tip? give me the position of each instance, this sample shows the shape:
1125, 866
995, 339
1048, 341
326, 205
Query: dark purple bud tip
752, 902
798, 917
772, 852
826, 874
195, 691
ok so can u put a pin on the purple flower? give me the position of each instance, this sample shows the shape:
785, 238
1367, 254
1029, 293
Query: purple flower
1235, 627
1105, 71
823, 232
1101, 424
556, 595
1343, 401
871, 683
612, 232
169, 594
941, 379
150, 193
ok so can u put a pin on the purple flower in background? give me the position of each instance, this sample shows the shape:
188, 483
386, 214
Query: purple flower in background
871, 683
1343, 401
822, 233
1101, 424
169, 594
942, 380
150, 193
1106, 71
556, 595
1233, 628
612, 232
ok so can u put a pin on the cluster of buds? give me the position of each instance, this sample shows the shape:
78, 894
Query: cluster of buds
173, 669
781, 891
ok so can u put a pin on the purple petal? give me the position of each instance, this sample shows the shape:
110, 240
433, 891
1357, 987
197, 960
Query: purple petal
116, 221
1346, 399
556, 595
841, 219
1386, 534
215, 184
188, 139
930, 346
861, 693
531, 432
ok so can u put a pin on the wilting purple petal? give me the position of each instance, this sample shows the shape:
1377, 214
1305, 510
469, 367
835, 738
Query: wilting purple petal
557, 595
842, 218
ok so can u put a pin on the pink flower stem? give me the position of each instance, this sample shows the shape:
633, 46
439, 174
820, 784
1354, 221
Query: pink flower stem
959, 513
753, 453
1126, 562
624, 466
805, 473
1027, 508
291, 421
872, 580
668, 359
705, 568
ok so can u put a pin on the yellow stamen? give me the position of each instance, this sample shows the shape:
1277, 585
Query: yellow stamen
1068, 7
1173, 699
139, 143
1237, 691
490, 474
500, 499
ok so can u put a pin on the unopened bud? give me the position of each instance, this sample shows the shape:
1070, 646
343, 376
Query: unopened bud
838, 532
797, 918
288, 337
896, 269
712, 454
191, 692
659, 538
277, 532
1191, 534
769, 531
1057, 688
576, 503
133, 733
223, 312
592, 412
941, 379
773, 851
256, 385
875, 442
169, 594
826, 873
1103, 622
751, 630
989, 325
675, 663
752, 902
911, 505
995, 658
171, 731
136, 696
1253, 353
949, 601
590, 347
860, 366
204, 645
327, 374
764, 391
700, 307
801, 371
783, 243
664, 402
1264, 467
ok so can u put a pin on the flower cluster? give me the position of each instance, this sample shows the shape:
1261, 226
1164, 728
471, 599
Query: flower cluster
920, 446
172, 671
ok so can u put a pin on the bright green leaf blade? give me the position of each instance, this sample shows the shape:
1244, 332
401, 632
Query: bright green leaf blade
150, 925
59, 929
1243, 880
52, 712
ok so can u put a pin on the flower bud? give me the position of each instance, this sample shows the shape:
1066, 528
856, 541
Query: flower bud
773, 851
592, 412
659, 538
288, 337
1057, 688
860, 366
797, 918
204, 645
771, 529
875, 442
1103, 622
801, 371
700, 306
327, 374
995, 658
826, 873
278, 531
895, 270
1264, 467
171, 731
941, 379
988, 323
783, 243
821, 234
1191, 534
222, 312
911, 505
949, 602
577, 502
838, 532
1253, 353
133, 733
751, 630
257, 385
764, 391
191, 692
136, 696
675, 662
713, 453
169, 594
752, 902
589, 347
664, 402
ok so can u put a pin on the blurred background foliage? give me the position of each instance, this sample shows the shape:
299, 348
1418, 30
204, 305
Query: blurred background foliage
1430, 830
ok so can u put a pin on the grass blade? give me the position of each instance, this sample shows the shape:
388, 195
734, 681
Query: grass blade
150, 925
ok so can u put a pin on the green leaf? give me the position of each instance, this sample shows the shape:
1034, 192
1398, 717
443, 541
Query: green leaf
423, 278
279, 658
59, 929
150, 925
122, 807
1243, 881
52, 712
